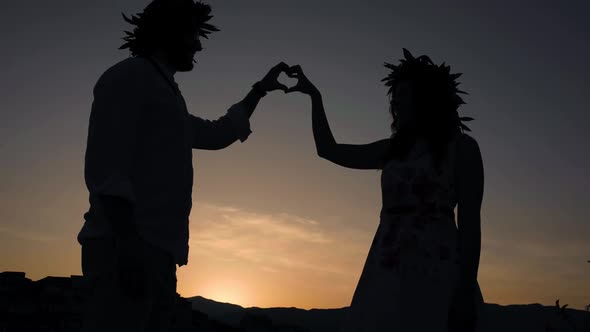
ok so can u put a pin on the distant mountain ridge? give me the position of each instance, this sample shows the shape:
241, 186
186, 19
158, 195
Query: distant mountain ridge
311, 320
213, 308
521, 318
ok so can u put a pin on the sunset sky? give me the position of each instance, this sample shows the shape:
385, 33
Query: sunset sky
273, 224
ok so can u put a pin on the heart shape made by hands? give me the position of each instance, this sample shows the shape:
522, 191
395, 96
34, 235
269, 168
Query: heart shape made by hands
287, 79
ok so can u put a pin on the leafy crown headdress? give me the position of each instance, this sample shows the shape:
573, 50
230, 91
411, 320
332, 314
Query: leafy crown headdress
162, 16
439, 77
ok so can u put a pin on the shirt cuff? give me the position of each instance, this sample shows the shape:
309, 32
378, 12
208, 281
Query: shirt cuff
240, 121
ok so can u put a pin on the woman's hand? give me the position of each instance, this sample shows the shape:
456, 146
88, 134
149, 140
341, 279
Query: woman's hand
303, 84
463, 312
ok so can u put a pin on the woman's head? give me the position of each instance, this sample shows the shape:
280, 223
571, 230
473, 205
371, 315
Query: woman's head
402, 106
424, 99
423, 96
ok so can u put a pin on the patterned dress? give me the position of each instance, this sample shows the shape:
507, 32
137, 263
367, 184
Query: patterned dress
412, 265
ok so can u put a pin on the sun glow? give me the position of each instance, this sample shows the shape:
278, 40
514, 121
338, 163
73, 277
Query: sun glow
227, 290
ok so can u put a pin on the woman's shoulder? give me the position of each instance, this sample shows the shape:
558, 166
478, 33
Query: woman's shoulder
466, 143
468, 153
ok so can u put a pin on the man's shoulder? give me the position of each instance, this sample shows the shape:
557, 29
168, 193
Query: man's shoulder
127, 71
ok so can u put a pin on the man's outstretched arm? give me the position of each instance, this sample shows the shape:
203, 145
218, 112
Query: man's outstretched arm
220, 133
234, 125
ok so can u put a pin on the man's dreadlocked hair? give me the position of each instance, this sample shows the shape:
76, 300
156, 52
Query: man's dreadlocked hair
435, 100
162, 20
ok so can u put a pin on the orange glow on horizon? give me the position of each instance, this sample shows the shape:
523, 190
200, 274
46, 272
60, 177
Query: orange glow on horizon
228, 290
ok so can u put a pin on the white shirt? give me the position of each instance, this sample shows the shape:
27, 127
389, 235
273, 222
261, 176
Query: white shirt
140, 141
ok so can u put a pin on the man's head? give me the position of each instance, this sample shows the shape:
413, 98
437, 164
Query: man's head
172, 28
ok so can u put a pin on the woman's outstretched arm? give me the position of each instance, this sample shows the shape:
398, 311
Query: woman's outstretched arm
358, 156
361, 156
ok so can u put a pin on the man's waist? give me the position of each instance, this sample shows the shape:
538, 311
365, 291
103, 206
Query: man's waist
163, 236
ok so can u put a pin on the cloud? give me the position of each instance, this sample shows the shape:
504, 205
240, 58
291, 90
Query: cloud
534, 249
282, 226
275, 242
25, 235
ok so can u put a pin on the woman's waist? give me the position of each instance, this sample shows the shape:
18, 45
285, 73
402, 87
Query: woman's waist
422, 210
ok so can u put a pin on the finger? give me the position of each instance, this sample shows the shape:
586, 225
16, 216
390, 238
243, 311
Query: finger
278, 86
293, 71
282, 87
281, 67
298, 72
297, 69
293, 89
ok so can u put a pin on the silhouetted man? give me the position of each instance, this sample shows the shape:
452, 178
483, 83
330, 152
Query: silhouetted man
138, 168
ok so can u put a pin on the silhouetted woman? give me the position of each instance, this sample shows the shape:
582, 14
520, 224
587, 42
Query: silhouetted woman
421, 269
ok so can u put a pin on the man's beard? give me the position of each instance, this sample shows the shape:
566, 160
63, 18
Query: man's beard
181, 58
182, 61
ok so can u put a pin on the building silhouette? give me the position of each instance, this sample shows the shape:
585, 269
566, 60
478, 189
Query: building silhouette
54, 304
57, 304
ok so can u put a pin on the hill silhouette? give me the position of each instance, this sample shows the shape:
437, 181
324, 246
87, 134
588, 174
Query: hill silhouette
524, 317
54, 303
312, 320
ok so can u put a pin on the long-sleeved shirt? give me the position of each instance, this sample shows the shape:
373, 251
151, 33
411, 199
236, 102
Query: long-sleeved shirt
139, 147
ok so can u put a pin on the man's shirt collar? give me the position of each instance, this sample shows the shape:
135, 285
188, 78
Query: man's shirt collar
165, 71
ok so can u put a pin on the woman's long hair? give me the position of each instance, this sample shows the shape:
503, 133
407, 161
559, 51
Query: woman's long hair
435, 102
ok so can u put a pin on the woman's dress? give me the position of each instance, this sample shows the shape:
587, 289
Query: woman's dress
412, 265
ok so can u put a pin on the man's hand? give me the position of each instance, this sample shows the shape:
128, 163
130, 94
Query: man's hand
270, 81
131, 266
303, 85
